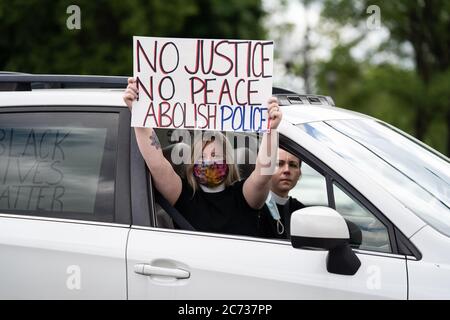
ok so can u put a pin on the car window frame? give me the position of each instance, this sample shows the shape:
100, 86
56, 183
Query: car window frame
122, 200
142, 194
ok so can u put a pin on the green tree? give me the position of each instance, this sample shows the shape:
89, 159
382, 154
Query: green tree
35, 38
385, 91
425, 26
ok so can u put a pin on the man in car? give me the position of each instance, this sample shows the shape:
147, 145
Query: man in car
275, 216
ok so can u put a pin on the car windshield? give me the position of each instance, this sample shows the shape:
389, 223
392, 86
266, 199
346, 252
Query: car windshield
417, 176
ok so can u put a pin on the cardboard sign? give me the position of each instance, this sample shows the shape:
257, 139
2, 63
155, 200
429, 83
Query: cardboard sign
202, 84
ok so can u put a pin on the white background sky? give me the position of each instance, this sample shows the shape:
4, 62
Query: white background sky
288, 44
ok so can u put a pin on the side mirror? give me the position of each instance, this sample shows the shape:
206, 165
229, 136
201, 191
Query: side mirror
324, 228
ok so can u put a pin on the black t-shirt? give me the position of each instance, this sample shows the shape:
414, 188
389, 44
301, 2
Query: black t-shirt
226, 211
268, 225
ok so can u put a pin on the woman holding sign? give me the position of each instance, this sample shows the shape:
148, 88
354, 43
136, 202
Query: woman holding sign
212, 198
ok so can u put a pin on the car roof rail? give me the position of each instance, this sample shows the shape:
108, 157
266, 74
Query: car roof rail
287, 97
11, 72
276, 91
27, 82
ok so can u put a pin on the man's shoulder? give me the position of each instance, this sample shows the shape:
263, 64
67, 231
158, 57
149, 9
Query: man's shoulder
295, 204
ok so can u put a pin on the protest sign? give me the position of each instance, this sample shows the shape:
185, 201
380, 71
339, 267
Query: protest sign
202, 83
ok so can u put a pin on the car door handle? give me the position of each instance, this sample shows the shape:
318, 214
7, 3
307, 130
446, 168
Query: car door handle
149, 270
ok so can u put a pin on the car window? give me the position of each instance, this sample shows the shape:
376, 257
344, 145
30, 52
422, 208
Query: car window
311, 189
375, 236
59, 164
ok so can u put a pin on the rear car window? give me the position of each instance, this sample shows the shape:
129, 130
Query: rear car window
59, 164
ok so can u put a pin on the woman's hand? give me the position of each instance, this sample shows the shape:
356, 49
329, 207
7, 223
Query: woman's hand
257, 186
131, 93
275, 114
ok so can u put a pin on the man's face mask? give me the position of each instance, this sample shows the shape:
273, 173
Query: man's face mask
210, 173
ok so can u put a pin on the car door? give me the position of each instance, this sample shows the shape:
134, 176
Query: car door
63, 229
176, 264
184, 265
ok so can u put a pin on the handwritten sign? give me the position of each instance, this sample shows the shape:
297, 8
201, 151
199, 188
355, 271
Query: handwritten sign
202, 84
51, 169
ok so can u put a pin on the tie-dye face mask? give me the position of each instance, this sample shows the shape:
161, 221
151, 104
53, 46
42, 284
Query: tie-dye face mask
210, 174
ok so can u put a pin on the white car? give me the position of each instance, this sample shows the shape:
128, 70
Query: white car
79, 218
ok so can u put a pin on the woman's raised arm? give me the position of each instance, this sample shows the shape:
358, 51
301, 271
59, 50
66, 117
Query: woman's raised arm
257, 186
164, 177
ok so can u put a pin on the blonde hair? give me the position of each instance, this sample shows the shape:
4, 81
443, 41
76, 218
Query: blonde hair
203, 140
